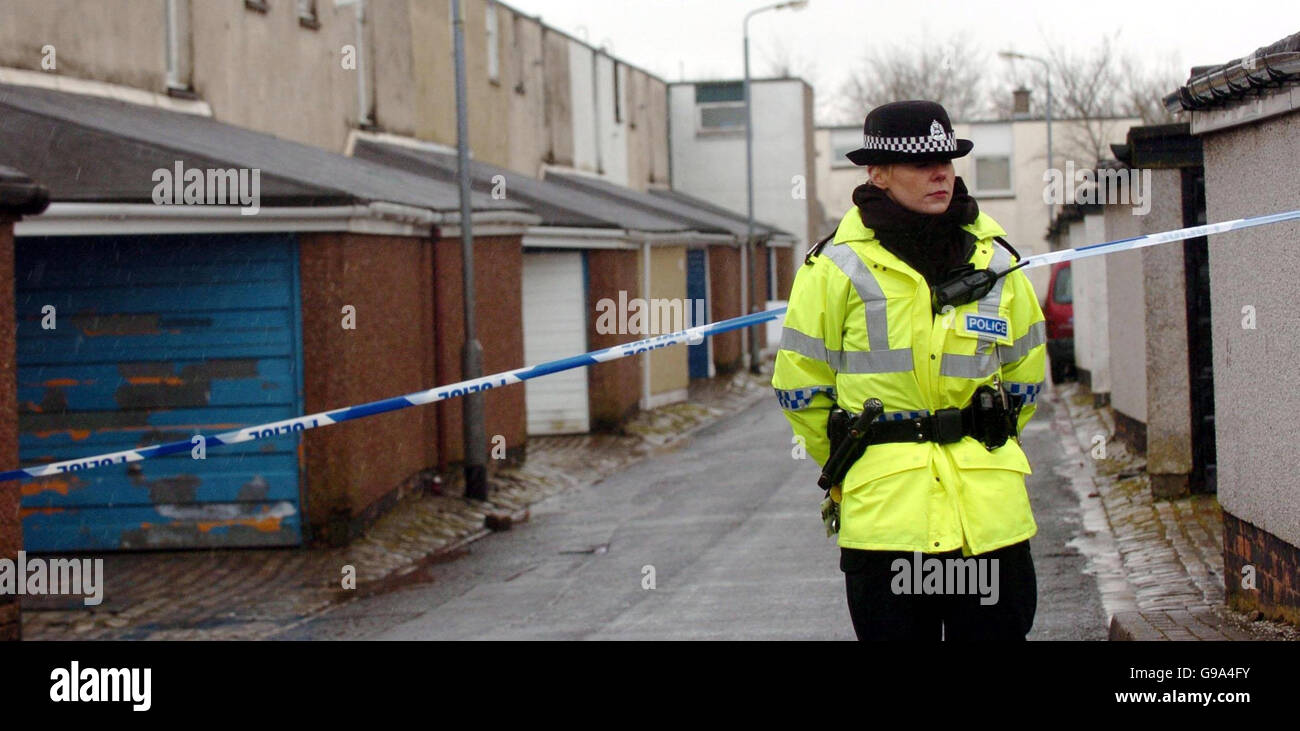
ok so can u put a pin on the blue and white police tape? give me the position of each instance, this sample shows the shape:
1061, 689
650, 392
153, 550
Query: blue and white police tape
693, 336
1164, 237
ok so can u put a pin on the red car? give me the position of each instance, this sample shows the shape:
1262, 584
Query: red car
1058, 308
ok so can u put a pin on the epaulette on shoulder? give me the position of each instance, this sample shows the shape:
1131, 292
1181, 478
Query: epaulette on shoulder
817, 248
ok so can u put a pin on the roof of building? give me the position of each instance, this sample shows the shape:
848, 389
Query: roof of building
1159, 146
557, 205
1270, 67
738, 221
92, 149
573, 199
699, 215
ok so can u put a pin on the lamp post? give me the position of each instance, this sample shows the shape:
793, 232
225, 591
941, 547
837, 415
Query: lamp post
1047, 75
747, 256
473, 428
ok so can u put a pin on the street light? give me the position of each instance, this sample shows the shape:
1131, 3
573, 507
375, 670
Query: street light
747, 256
473, 425
1047, 74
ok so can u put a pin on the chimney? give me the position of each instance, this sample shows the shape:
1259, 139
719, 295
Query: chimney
1020, 103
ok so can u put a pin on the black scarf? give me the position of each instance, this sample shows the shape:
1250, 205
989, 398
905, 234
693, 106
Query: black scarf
932, 244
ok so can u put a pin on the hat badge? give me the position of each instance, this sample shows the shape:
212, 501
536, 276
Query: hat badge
936, 130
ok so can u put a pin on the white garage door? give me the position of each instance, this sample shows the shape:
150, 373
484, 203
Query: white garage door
555, 326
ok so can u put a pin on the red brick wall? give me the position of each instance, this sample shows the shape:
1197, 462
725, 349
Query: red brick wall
498, 279
350, 468
614, 387
724, 290
11, 529
784, 273
1276, 566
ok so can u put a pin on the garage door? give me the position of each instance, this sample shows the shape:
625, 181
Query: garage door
697, 290
555, 326
155, 339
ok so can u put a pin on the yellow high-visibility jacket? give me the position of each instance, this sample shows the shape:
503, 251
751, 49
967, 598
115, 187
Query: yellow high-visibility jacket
859, 325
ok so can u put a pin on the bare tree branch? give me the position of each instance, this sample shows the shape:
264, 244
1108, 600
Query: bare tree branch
1145, 88
947, 72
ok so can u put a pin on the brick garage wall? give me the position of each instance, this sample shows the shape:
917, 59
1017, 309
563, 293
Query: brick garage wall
784, 273
498, 279
724, 291
11, 529
614, 388
355, 470
1277, 570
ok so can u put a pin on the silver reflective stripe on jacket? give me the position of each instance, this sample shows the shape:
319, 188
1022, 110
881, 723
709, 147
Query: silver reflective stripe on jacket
1035, 336
1000, 262
846, 361
880, 359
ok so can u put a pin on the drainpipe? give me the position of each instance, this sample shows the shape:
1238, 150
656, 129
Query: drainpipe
173, 48
363, 98
645, 357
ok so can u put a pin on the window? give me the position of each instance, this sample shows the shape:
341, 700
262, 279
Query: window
493, 44
1062, 294
721, 107
993, 174
307, 14
844, 141
992, 165
725, 91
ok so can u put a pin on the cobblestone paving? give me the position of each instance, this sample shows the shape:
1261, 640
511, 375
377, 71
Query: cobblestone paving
255, 593
1171, 550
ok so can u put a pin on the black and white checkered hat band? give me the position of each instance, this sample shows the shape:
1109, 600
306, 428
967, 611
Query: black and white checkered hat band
947, 143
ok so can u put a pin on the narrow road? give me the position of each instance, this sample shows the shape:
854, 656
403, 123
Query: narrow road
718, 539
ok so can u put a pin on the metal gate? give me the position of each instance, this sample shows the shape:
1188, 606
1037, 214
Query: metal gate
127, 341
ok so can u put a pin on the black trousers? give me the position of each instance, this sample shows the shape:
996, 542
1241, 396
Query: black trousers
885, 605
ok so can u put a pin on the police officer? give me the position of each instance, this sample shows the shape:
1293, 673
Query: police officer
942, 480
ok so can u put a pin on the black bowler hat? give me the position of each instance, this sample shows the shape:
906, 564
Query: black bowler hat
911, 131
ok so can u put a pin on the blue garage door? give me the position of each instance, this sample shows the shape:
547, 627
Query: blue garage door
155, 339
697, 267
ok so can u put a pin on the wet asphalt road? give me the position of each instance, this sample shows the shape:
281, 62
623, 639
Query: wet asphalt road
718, 539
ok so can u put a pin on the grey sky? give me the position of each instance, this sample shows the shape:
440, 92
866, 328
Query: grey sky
701, 39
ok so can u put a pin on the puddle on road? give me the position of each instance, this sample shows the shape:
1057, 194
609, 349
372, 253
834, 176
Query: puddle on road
1094, 541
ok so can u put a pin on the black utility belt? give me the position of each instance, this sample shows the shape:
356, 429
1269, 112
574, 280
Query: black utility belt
986, 419
944, 426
